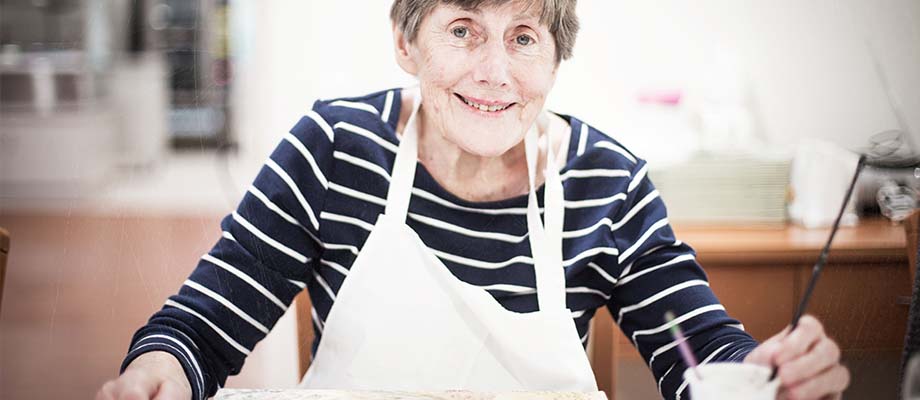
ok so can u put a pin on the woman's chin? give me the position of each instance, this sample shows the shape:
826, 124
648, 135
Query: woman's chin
487, 147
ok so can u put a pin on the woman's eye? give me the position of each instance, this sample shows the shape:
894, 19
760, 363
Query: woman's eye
460, 31
523, 40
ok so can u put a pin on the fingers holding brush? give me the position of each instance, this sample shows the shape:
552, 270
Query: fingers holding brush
824, 355
807, 361
800, 341
766, 352
829, 384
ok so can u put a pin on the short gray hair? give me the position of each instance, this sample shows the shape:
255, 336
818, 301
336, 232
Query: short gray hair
558, 15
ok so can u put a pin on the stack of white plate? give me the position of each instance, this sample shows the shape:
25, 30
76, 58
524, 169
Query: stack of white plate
725, 188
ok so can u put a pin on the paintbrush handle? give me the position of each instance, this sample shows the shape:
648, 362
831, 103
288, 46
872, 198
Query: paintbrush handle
822, 258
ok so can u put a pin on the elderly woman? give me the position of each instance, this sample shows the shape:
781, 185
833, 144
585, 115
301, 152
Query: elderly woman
455, 236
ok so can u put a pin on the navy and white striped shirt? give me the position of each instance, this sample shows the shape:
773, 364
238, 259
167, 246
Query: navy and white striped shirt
305, 218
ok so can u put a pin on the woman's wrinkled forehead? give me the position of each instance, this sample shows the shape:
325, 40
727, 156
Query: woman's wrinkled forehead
544, 9
558, 16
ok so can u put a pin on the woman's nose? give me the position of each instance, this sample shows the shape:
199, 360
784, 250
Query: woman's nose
493, 68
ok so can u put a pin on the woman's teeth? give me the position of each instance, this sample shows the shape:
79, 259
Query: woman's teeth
485, 108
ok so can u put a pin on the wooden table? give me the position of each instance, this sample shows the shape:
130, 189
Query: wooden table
760, 274
299, 394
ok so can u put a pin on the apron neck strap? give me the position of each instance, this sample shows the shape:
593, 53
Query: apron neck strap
545, 243
546, 236
403, 175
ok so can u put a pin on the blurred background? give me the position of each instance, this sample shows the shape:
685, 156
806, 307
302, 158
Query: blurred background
128, 128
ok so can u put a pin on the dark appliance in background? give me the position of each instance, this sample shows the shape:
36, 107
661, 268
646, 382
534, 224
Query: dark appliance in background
193, 35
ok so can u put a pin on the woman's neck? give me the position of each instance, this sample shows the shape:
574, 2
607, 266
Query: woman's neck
467, 175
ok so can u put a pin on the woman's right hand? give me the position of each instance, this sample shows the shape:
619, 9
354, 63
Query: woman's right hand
155, 375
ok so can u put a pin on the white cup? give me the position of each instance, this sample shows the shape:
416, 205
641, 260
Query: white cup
718, 381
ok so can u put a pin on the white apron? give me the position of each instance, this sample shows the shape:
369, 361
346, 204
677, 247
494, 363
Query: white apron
403, 321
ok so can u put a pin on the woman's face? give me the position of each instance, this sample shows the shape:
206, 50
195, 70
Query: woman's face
484, 74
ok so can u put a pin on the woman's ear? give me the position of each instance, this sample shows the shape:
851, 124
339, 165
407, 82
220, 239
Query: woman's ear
403, 55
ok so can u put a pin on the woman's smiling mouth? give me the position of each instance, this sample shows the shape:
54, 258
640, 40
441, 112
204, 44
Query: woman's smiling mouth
488, 107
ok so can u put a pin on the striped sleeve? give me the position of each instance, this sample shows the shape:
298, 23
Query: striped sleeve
658, 273
262, 260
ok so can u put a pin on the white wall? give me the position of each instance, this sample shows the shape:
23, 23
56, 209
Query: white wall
806, 63
296, 51
803, 64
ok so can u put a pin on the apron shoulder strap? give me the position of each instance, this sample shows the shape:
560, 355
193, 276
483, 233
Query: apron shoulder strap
546, 238
403, 176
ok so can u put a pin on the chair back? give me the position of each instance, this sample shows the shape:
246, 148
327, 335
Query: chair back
303, 307
911, 228
912, 336
4, 252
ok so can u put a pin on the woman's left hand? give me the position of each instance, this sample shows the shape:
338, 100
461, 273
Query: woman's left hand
808, 362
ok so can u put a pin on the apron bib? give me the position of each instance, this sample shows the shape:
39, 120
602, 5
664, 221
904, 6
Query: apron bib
402, 321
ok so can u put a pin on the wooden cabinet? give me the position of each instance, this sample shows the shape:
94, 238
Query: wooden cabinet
760, 274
